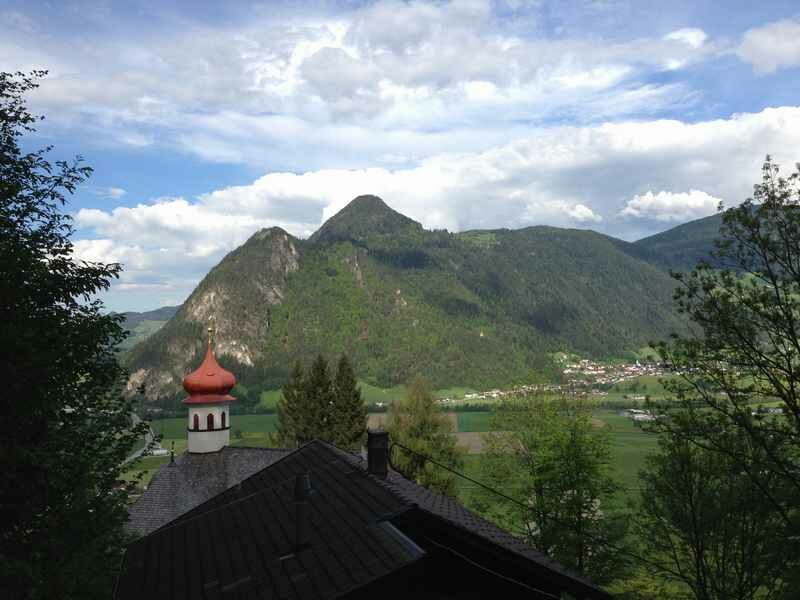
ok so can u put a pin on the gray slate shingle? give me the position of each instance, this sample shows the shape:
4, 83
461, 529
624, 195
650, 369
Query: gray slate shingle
192, 479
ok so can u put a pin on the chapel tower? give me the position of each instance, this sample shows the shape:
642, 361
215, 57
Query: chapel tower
208, 428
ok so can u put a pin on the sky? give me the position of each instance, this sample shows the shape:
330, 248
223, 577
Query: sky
207, 121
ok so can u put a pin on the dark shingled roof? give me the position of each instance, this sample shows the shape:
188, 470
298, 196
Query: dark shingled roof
362, 529
191, 480
456, 514
243, 539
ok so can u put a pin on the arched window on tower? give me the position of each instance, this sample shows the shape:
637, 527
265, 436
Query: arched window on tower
210, 422
223, 419
196, 423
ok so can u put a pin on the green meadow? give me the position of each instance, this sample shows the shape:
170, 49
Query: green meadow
374, 395
629, 444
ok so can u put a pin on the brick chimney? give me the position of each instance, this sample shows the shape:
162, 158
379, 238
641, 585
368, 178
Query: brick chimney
378, 453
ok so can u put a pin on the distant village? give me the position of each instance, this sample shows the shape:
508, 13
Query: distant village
582, 375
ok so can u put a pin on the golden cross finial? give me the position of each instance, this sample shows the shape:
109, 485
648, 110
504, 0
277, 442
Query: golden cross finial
211, 331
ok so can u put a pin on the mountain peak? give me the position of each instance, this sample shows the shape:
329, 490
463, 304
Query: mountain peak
367, 202
362, 217
266, 232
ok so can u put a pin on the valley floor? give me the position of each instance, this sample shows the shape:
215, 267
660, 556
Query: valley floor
630, 445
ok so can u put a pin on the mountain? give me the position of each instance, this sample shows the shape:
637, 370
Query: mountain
142, 325
364, 217
133, 319
478, 308
233, 298
681, 247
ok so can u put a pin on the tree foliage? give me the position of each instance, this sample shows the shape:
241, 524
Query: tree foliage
65, 426
417, 423
703, 516
315, 406
744, 349
291, 407
547, 453
349, 414
317, 402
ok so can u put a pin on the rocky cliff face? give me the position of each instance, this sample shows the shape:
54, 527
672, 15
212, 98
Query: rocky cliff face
233, 299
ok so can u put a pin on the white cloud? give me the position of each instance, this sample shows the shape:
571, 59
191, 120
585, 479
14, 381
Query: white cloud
389, 78
601, 176
692, 37
109, 193
458, 114
772, 47
115, 193
583, 214
671, 206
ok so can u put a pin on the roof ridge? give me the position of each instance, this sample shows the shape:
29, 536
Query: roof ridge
394, 477
265, 449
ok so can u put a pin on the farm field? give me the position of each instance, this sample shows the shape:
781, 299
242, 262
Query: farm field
642, 386
374, 395
629, 444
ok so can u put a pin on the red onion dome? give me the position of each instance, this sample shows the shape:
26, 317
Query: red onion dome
209, 383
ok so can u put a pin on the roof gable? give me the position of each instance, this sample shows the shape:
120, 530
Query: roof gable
243, 539
362, 529
192, 479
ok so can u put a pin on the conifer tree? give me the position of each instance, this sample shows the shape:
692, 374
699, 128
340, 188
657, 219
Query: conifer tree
417, 423
291, 408
349, 415
316, 422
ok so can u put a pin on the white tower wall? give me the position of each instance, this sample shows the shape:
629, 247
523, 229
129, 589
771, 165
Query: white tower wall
203, 439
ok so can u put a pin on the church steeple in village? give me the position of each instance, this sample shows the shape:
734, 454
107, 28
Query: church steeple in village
208, 427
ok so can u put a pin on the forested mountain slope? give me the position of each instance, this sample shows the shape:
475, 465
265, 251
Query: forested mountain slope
681, 247
478, 308
141, 325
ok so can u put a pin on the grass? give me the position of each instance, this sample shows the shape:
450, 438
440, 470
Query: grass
471, 468
374, 395
269, 398
147, 467
644, 385
629, 447
629, 444
176, 428
474, 421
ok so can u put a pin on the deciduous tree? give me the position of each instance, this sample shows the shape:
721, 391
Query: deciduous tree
744, 349
548, 454
704, 518
65, 426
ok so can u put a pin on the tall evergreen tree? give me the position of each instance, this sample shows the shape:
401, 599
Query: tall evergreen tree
349, 415
65, 426
317, 403
291, 408
417, 423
